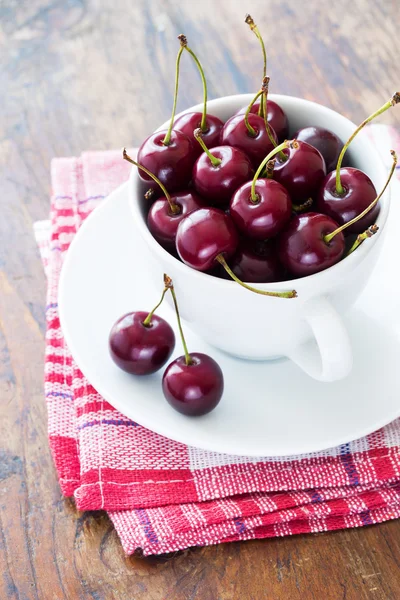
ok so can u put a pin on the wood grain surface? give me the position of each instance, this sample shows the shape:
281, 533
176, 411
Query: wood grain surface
94, 74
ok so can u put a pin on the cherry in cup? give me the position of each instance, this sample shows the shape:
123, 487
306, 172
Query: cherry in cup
207, 237
300, 168
261, 208
193, 384
313, 242
169, 154
256, 262
166, 212
218, 172
141, 343
250, 133
346, 192
323, 140
210, 125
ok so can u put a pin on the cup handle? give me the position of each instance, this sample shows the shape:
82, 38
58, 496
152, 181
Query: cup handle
329, 356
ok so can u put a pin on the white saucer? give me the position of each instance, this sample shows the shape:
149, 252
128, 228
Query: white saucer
268, 409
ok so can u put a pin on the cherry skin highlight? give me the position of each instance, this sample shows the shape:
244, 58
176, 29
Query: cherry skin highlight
140, 349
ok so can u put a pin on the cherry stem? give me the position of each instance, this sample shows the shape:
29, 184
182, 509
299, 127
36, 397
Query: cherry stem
395, 99
269, 169
149, 194
214, 160
249, 20
276, 150
298, 208
183, 40
169, 285
173, 207
167, 139
289, 294
251, 129
330, 236
147, 321
363, 236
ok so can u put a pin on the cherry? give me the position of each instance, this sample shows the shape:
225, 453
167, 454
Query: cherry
193, 384
323, 140
302, 172
207, 236
217, 174
261, 208
193, 389
251, 137
302, 248
169, 154
358, 193
313, 242
166, 213
346, 193
256, 262
210, 126
211, 133
203, 235
141, 343
163, 223
276, 116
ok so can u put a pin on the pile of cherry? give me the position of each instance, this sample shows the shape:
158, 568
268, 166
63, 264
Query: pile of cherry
240, 200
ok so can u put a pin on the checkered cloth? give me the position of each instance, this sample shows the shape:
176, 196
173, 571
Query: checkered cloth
164, 496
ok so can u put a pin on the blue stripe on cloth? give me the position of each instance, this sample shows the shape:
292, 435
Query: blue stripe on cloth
347, 459
99, 197
145, 522
240, 526
108, 422
60, 394
366, 518
53, 305
315, 497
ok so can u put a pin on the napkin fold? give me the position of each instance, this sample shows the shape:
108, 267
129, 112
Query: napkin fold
162, 495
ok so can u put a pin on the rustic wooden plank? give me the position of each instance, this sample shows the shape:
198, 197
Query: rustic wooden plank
89, 74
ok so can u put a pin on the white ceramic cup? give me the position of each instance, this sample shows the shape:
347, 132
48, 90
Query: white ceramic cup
308, 329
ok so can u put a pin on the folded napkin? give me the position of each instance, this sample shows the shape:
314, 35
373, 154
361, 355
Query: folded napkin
164, 496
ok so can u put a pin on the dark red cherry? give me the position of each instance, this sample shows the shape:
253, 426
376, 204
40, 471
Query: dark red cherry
193, 389
203, 235
188, 122
323, 140
302, 248
163, 222
172, 164
358, 193
141, 349
256, 147
276, 118
302, 172
256, 262
263, 215
217, 182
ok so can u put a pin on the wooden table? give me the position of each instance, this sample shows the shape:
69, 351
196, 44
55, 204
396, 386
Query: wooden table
93, 74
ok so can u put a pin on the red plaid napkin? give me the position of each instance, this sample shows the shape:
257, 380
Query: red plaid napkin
164, 496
